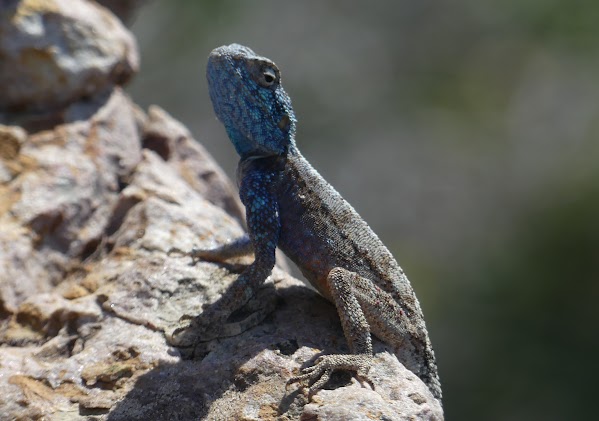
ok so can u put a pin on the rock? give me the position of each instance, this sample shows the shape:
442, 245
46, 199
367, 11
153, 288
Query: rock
82, 323
55, 52
93, 198
84, 327
401, 398
173, 142
59, 200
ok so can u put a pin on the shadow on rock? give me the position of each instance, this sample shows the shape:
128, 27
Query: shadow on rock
229, 377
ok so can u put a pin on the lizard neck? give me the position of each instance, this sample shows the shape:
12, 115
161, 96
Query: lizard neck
248, 150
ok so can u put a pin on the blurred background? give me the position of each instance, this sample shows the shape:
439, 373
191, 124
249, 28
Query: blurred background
467, 134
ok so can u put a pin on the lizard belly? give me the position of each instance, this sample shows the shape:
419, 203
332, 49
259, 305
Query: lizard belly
307, 250
311, 213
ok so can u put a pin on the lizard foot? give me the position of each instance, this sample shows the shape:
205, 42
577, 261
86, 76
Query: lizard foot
318, 374
214, 324
190, 331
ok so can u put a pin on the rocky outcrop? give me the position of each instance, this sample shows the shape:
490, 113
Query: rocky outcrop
54, 52
94, 192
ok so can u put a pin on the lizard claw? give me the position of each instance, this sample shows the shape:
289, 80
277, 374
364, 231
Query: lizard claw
318, 374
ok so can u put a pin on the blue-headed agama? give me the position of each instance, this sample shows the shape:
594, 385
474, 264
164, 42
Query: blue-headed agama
290, 206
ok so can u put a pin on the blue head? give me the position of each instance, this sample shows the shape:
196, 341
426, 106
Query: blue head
249, 100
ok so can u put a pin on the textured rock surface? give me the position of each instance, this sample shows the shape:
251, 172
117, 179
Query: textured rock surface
54, 52
91, 199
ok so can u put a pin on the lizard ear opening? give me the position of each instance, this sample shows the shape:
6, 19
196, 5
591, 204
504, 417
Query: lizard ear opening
284, 123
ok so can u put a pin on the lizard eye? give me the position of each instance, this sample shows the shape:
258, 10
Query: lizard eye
264, 73
269, 77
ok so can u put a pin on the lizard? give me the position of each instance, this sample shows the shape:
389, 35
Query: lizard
289, 205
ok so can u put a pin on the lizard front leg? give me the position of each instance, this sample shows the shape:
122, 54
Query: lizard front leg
263, 235
357, 332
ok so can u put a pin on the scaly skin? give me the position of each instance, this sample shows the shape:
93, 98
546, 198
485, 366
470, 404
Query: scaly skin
290, 206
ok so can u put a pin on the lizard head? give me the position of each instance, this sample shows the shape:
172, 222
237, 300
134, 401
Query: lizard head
249, 100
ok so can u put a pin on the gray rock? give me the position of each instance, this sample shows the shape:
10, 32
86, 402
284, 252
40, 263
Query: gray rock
173, 142
59, 200
84, 328
55, 52
92, 200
